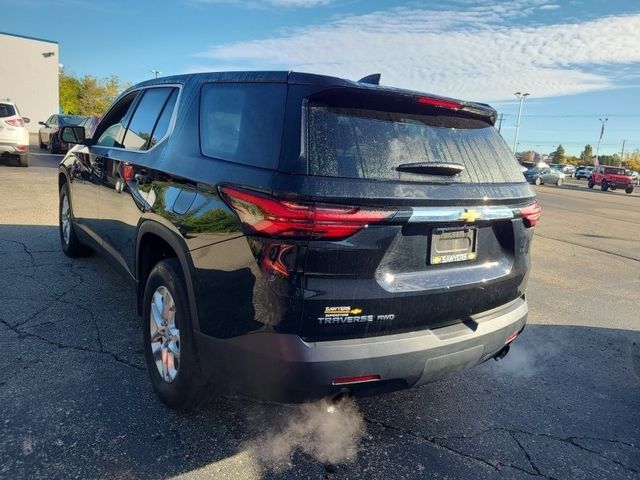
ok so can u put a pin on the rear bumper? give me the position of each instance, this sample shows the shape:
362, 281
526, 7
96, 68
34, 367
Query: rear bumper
14, 148
283, 367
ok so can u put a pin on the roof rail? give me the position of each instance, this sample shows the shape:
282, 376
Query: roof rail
373, 79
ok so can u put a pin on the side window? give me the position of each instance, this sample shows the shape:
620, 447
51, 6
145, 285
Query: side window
163, 123
242, 122
51, 120
111, 129
145, 117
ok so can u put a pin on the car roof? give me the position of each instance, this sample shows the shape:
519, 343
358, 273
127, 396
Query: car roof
299, 78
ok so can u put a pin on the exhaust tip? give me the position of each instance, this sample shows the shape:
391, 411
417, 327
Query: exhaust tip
502, 353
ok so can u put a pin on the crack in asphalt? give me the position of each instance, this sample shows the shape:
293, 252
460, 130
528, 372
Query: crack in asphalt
563, 240
571, 440
24, 247
113, 355
526, 454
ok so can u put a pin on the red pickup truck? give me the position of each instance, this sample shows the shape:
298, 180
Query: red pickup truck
611, 178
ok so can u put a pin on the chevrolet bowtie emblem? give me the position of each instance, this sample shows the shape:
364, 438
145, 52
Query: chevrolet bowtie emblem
470, 215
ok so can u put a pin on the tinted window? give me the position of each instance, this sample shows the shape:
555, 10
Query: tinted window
111, 129
242, 122
69, 119
162, 126
6, 110
363, 143
145, 117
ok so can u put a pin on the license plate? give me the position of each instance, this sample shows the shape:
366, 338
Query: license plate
450, 245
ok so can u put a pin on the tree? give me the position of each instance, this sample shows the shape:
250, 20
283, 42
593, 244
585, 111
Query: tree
559, 154
586, 157
633, 160
88, 95
69, 94
571, 160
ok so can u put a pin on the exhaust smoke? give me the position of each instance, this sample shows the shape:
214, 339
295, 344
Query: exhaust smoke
330, 431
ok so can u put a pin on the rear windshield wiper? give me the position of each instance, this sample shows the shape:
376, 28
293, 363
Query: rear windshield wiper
447, 169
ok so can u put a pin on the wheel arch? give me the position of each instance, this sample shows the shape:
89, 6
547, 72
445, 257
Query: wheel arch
154, 243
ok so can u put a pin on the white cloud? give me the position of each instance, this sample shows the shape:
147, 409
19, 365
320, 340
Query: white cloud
479, 51
266, 3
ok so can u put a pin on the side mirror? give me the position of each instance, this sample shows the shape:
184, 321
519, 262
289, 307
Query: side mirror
73, 134
42, 123
26, 119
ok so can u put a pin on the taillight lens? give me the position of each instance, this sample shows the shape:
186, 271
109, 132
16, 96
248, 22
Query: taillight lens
531, 214
15, 122
275, 217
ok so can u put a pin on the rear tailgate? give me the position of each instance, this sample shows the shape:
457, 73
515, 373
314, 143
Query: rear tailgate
457, 245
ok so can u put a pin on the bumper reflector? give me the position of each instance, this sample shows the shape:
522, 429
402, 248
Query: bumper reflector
358, 379
512, 337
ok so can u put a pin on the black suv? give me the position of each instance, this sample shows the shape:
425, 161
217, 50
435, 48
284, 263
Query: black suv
292, 236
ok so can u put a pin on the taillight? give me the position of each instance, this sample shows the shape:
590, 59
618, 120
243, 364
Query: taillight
531, 214
437, 102
127, 172
275, 217
15, 122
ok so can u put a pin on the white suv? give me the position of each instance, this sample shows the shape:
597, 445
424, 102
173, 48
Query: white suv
14, 136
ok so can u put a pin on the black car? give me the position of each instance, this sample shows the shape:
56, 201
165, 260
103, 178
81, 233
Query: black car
49, 133
293, 236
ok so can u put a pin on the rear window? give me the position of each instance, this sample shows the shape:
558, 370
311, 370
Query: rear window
7, 110
242, 122
363, 143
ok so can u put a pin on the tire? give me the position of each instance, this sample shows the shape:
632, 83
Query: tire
559, 182
23, 159
629, 189
604, 186
71, 245
538, 181
590, 184
182, 386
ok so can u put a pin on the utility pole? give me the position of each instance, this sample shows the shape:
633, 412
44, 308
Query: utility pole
521, 97
622, 154
500, 122
155, 72
600, 139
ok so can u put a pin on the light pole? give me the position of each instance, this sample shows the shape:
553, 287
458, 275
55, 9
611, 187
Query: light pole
521, 97
155, 72
600, 139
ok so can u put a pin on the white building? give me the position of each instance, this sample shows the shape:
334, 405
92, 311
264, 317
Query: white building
29, 76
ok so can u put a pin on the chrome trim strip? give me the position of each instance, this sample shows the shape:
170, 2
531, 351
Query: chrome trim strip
454, 214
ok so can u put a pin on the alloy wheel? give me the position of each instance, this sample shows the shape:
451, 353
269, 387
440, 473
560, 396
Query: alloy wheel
165, 336
65, 219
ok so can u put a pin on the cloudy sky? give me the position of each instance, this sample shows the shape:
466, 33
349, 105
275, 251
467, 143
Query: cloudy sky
580, 60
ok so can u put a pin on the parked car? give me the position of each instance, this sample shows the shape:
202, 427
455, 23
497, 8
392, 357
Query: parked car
49, 133
583, 172
540, 175
635, 176
293, 236
609, 177
14, 136
568, 170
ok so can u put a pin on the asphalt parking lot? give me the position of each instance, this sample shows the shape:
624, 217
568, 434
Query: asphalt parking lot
564, 404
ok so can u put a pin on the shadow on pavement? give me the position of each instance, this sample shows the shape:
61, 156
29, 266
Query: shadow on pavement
76, 401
